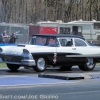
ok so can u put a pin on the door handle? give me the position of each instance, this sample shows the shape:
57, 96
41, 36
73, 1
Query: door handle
74, 48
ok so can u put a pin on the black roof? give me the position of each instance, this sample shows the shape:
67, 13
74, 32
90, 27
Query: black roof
59, 35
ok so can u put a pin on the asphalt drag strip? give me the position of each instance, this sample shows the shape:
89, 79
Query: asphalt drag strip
40, 79
15, 80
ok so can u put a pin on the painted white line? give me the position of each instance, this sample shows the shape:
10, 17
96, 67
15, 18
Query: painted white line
5, 76
39, 84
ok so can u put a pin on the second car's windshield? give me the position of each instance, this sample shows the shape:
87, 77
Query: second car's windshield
38, 40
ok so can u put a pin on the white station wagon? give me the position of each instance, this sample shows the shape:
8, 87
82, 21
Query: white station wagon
51, 50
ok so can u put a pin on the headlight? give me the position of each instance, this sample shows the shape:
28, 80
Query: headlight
25, 51
1, 50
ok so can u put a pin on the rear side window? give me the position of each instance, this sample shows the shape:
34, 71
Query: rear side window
63, 42
66, 42
79, 42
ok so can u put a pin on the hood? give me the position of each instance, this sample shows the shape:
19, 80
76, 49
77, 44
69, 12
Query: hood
19, 48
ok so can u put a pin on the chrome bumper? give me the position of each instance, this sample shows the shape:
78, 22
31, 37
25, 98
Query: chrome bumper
23, 62
28, 62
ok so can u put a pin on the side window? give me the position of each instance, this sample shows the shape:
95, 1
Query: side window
52, 42
79, 42
66, 42
63, 42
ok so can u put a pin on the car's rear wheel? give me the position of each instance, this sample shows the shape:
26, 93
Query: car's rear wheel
65, 68
89, 65
13, 67
41, 64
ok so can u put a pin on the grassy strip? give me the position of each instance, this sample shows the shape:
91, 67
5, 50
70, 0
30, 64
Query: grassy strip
3, 65
97, 64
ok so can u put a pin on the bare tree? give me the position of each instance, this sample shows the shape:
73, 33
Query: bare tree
31, 11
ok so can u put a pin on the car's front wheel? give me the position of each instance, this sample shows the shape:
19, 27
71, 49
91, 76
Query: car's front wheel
41, 64
13, 67
89, 65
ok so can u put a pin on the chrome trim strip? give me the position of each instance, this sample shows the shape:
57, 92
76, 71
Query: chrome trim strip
23, 62
7, 62
28, 62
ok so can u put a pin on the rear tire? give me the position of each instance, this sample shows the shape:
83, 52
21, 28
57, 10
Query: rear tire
65, 68
41, 64
13, 67
89, 65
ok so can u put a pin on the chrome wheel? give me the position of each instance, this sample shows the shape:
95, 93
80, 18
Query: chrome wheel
41, 64
89, 65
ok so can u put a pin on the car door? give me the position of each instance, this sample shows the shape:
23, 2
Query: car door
51, 46
66, 50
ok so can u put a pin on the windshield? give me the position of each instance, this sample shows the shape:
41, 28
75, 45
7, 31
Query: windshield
44, 41
90, 44
38, 40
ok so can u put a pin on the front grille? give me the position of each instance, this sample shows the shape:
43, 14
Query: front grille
11, 58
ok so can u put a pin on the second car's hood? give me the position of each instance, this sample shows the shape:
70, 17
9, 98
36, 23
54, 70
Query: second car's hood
19, 48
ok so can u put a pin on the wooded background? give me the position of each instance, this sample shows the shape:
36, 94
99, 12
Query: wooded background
32, 11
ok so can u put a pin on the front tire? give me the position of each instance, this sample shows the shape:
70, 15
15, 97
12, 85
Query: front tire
41, 64
89, 65
13, 67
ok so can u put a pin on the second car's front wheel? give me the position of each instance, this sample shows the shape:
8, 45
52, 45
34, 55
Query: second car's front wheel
89, 65
13, 67
41, 64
